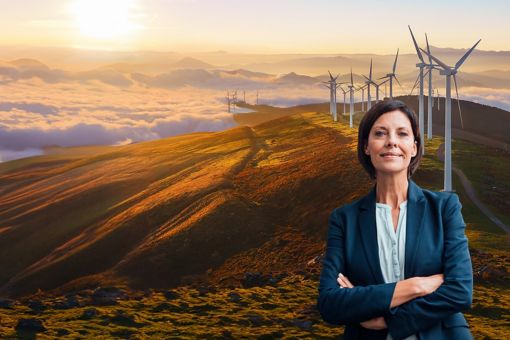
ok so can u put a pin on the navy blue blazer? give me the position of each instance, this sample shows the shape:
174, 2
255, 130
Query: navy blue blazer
435, 243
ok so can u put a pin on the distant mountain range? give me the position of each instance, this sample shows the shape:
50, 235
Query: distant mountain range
193, 72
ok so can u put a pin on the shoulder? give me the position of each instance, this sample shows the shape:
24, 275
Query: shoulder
443, 203
347, 209
441, 199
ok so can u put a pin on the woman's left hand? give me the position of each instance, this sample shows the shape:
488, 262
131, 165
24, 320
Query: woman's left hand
343, 281
375, 323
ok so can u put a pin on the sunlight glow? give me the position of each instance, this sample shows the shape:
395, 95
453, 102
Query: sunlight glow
105, 19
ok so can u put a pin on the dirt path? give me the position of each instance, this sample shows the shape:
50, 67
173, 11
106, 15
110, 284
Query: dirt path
472, 194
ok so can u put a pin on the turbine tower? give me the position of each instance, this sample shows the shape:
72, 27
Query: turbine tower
332, 85
438, 106
351, 107
234, 100
392, 76
344, 92
430, 104
367, 83
362, 89
421, 113
228, 101
448, 72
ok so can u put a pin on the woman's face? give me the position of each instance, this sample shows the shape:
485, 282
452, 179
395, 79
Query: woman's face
391, 143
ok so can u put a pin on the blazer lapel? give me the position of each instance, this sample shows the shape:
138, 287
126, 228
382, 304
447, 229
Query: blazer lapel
368, 233
416, 206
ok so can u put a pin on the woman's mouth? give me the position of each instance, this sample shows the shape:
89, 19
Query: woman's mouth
390, 155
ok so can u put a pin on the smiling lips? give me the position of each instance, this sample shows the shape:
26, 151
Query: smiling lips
390, 155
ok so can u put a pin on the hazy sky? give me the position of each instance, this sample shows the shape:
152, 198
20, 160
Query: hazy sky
261, 26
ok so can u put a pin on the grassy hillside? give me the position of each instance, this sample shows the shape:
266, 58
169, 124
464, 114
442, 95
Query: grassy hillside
219, 234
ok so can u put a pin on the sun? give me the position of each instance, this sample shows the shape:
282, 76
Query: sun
104, 19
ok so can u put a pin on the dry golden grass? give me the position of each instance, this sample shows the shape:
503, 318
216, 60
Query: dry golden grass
202, 209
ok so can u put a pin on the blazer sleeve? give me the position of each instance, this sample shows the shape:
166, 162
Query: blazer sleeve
339, 306
454, 295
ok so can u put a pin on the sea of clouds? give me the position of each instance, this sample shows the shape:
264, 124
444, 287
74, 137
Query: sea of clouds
56, 108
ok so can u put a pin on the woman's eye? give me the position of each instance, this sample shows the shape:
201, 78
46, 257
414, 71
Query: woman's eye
379, 133
404, 134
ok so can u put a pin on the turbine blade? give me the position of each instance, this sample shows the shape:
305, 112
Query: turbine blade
351, 77
370, 74
461, 60
428, 48
458, 101
330, 75
439, 62
416, 45
415, 83
397, 81
395, 63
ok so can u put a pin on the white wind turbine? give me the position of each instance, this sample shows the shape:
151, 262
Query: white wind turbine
362, 89
421, 65
448, 72
367, 83
228, 101
351, 107
344, 92
333, 86
370, 81
430, 104
392, 75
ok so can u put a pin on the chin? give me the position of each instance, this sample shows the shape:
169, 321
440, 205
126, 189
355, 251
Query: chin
391, 170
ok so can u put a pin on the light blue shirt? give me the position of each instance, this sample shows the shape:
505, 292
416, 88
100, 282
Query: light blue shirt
392, 245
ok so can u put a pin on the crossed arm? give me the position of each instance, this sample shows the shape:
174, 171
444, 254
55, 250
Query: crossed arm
408, 306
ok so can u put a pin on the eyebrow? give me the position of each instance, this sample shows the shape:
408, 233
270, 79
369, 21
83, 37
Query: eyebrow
383, 128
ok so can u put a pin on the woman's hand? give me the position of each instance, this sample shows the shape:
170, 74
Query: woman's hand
428, 284
343, 281
375, 323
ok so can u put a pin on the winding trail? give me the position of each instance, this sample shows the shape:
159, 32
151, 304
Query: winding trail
470, 191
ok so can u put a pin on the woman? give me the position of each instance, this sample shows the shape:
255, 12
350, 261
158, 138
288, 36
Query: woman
397, 264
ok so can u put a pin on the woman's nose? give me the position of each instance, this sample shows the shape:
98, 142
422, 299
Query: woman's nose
392, 140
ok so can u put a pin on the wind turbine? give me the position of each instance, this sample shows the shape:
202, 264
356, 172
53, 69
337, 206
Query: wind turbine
392, 75
332, 85
351, 107
448, 72
430, 66
362, 89
368, 82
344, 92
234, 100
438, 102
421, 113
228, 101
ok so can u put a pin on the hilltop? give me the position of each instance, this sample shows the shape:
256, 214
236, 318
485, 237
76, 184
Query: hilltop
230, 210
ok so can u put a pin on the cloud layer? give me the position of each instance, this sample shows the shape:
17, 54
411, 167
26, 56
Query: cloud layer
42, 107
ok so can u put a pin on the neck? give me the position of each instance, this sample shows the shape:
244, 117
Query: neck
391, 190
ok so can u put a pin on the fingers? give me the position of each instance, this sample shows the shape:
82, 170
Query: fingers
344, 281
349, 284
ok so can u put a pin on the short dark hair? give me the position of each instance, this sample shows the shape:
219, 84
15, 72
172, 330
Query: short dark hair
366, 125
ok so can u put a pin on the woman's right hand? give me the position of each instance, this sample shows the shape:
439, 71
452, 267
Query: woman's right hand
414, 287
428, 284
